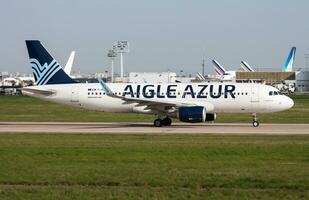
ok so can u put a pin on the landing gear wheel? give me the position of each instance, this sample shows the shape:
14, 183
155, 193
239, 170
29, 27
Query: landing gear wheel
158, 123
255, 123
167, 121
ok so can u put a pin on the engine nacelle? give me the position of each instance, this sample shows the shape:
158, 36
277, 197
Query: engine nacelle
192, 114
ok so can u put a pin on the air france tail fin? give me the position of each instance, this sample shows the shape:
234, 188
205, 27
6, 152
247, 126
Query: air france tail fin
246, 67
45, 68
288, 65
68, 66
218, 68
200, 76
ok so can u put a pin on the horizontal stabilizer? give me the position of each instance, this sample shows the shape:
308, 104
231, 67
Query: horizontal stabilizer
37, 91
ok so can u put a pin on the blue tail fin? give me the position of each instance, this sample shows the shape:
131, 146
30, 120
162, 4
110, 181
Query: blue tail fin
288, 65
45, 68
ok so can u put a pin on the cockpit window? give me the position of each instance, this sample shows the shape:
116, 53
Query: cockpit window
271, 93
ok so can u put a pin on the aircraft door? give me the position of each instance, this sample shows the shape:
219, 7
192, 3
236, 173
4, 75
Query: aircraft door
255, 97
255, 93
75, 94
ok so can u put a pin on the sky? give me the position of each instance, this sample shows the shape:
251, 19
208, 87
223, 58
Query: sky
164, 35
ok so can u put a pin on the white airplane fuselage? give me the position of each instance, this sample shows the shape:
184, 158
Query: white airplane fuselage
215, 97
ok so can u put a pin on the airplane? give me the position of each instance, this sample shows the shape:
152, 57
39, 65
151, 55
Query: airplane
222, 73
189, 102
286, 67
68, 66
246, 67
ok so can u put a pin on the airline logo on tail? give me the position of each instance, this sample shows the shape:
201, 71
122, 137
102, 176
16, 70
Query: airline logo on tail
46, 70
246, 67
288, 65
42, 74
218, 68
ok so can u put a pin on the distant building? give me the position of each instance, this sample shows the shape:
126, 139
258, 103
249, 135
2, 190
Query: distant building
269, 78
302, 81
152, 77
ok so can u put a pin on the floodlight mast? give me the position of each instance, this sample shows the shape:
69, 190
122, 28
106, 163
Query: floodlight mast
121, 47
112, 54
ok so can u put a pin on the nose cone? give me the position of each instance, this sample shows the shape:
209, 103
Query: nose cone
288, 103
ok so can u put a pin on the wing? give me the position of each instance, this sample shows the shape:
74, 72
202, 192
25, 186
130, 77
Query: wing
37, 91
165, 105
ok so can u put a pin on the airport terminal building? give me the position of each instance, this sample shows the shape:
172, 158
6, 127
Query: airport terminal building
268, 77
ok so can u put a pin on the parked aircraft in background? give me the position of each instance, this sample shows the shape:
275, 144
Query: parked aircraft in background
288, 65
189, 102
222, 73
246, 67
68, 66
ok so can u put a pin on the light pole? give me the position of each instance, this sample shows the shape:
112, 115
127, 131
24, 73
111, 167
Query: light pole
203, 67
112, 54
121, 47
307, 57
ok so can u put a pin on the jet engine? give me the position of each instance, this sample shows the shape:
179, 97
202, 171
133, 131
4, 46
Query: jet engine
195, 114
192, 114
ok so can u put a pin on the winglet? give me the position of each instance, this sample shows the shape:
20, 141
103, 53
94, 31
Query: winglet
105, 87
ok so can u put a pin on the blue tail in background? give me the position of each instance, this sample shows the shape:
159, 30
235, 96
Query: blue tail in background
46, 70
288, 65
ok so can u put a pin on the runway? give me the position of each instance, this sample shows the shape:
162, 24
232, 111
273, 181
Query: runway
147, 128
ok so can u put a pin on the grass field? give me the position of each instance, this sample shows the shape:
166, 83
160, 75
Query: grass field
21, 108
51, 166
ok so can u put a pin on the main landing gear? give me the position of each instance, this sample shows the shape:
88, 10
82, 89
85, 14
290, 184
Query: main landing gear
162, 122
255, 122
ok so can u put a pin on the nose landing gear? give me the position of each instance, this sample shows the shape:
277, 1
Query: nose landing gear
255, 121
